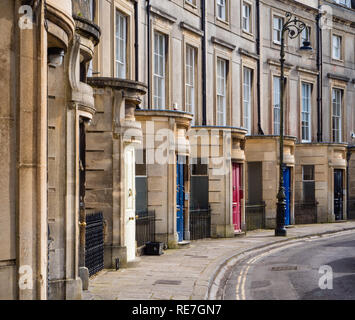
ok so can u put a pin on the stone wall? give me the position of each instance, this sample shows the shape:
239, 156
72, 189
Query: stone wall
7, 153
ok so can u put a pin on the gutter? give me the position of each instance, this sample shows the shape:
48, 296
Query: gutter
260, 130
204, 63
148, 56
319, 79
136, 39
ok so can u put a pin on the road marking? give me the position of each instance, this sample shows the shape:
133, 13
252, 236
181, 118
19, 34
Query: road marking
241, 288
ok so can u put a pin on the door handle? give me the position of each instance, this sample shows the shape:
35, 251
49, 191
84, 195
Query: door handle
130, 193
131, 219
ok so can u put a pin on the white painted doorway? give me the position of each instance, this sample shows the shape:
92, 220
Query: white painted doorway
130, 205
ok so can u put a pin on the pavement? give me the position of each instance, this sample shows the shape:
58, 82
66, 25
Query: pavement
190, 273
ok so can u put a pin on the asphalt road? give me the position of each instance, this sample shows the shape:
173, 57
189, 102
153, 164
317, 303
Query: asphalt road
293, 273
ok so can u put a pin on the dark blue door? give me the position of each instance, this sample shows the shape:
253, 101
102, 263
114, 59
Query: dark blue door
287, 183
180, 199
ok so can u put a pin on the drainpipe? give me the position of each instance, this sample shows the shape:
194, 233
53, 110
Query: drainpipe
258, 35
148, 56
136, 39
348, 157
319, 80
204, 63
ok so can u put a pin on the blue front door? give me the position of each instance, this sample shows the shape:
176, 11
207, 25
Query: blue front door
180, 199
287, 183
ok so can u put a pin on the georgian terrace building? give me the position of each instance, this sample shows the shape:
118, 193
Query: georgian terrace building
174, 111
44, 108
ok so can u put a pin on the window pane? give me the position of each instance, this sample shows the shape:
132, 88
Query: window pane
121, 45
306, 112
221, 91
159, 71
277, 101
337, 115
308, 173
247, 85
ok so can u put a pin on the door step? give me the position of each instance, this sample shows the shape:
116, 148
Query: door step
240, 234
134, 263
184, 244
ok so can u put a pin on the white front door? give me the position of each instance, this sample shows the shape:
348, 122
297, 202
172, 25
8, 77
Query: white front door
130, 194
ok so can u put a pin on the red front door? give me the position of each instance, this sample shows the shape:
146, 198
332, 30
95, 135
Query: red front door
237, 196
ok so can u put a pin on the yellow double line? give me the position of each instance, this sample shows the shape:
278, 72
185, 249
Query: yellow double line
240, 288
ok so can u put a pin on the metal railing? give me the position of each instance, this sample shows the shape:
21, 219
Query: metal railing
200, 224
351, 211
145, 227
255, 216
94, 243
306, 212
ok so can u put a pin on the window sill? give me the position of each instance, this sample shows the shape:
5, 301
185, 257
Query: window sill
247, 35
192, 8
189, 4
338, 61
222, 23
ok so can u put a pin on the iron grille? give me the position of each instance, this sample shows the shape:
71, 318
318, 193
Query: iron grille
255, 216
200, 224
145, 227
94, 246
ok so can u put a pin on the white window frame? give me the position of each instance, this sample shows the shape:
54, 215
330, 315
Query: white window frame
121, 45
247, 98
336, 47
190, 79
276, 108
92, 8
192, 2
306, 114
246, 17
306, 35
337, 114
346, 3
159, 71
221, 7
277, 29
221, 92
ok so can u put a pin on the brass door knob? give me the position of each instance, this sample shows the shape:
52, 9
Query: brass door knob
131, 219
130, 193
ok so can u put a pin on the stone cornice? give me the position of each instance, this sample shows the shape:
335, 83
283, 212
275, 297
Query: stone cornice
61, 19
309, 71
87, 28
118, 84
188, 27
163, 15
223, 43
278, 64
246, 53
338, 77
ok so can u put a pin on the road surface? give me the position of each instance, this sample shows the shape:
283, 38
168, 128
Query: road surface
297, 272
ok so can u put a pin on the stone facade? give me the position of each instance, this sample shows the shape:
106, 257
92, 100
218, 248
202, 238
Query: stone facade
67, 91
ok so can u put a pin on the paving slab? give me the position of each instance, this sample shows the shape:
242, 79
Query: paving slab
193, 269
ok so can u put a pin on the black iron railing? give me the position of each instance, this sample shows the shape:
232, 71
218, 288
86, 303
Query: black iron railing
200, 224
351, 211
145, 227
306, 212
94, 245
255, 216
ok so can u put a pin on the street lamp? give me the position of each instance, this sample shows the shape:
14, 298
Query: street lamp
292, 28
